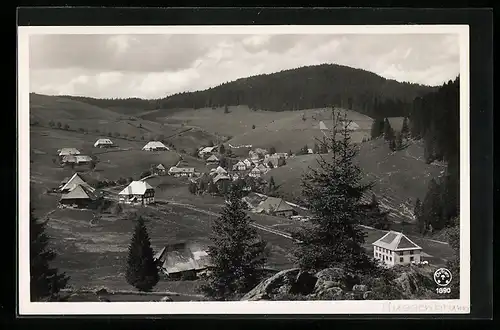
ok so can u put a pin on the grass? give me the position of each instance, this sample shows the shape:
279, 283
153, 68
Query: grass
400, 177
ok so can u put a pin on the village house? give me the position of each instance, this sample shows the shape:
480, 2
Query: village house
255, 173
80, 196
137, 192
103, 143
205, 152
68, 151
395, 248
76, 160
263, 169
69, 184
212, 160
155, 146
182, 260
240, 166
248, 163
275, 206
159, 170
253, 200
281, 154
218, 170
275, 160
181, 171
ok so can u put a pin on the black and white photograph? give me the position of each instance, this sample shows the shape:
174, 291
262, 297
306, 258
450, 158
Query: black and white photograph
175, 167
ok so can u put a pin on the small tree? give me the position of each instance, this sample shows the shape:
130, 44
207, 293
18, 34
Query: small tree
290, 153
253, 126
303, 117
392, 145
272, 188
66, 126
316, 148
210, 143
193, 189
237, 253
405, 129
45, 282
59, 125
272, 150
226, 109
51, 123
142, 271
388, 132
270, 164
222, 149
399, 140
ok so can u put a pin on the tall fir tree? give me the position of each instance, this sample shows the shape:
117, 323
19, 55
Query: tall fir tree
388, 132
142, 271
316, 148
272, 188
431, 207
237, 253
374, 216
333, 193
405, 129
45, 282
417, 212
222, 149
377, 128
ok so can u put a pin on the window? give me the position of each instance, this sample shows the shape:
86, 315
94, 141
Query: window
411, 258
400, 259
390, 258
411, 252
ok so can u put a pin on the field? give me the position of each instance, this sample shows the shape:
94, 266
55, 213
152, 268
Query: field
400, 177
94, 254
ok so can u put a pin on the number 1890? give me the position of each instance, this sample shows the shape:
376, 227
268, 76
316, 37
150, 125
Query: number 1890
443, 290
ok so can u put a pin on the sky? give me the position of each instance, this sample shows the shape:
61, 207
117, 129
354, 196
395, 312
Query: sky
155, 66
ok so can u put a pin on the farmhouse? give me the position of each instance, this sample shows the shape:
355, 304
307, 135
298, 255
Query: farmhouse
219, 170
103, 143
69, 184
182, 260
68, 151
181, 171
253, 155
212, 160
255, 173
207, 151
155, 146
262, 168
281, 154
219, 178
76, 159
248, 163
81, 196
275, 206
275, 160
395, 248
239, 166
160, 169
137, 192
253, 200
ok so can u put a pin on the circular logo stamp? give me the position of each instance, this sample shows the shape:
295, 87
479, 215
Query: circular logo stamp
442, 277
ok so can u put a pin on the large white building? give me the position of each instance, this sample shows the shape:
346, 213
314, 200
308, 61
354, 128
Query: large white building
395, 248
154, 146
103, 143
137, 192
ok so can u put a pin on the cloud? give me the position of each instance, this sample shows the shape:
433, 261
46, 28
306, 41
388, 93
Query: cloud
152, 66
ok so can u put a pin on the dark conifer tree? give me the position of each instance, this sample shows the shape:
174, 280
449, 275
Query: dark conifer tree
431, 207
142, 271
272, 150
374, 216
45, 282
222, 149
405, 129
316, 148
333, 193
237, 253
388, 132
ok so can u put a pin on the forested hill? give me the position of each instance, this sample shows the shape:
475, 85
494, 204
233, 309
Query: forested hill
295, 89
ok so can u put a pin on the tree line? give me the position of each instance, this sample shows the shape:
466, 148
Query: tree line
306, 87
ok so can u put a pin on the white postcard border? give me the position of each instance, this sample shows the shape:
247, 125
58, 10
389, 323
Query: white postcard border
458, 306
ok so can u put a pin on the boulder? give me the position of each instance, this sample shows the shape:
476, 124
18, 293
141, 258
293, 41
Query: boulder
360, 288
329, 277
304, 283
101, 291
272, 285
166, 298
334, 293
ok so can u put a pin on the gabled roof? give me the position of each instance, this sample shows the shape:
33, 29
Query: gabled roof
154, 144
182, 257
220, 170
207, 149
219, 177
80, 192
175, 169
396, 241
160, 167
68, 151
396, 122
83, 158
247, 162
322, 126
240, 163
102, 141
136, 188
273, 204
74, 181
213, 158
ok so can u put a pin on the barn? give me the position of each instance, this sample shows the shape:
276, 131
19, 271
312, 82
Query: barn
155, 146
138, 193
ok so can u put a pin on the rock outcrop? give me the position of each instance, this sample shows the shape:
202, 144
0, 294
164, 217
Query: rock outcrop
405, 282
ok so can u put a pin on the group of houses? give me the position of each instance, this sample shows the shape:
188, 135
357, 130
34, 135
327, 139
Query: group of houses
72, 156
78, 193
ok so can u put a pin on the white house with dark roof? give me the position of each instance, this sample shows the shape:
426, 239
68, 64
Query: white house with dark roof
239, 166
248, 163
212, 160
207, 151
137, 192
181, 171
103, 143
76, 180
395, 248
68, 151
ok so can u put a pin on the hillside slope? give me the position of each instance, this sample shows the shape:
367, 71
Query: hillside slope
306, 87
400, 177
